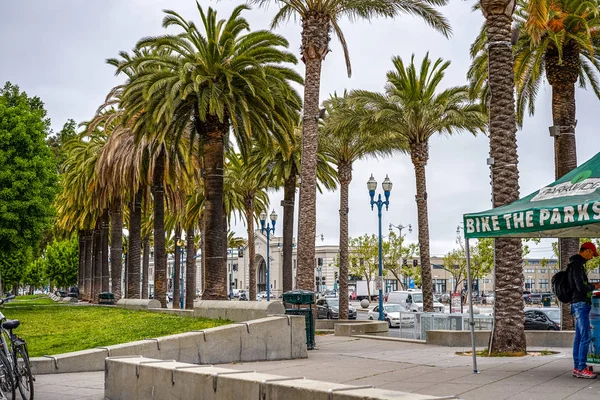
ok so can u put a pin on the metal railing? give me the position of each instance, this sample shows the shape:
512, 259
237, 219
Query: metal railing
414, 325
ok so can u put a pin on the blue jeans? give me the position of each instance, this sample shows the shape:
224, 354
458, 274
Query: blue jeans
581, 342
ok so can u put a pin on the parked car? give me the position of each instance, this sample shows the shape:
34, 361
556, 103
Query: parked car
394, 314
329, 308
169, 297
352, 296
261, 295
61, 293
412, 300
542, 319
535, 298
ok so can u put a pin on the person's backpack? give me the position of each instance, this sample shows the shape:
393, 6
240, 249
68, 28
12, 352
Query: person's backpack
561, 287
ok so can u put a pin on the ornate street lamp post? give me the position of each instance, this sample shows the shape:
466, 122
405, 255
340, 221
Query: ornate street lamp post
266, 227
387, 188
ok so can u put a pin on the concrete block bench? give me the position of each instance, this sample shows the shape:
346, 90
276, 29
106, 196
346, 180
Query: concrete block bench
364, 328
69, 300
138, 304
273, 338
543, 339
321, 324
139, 378
237, 311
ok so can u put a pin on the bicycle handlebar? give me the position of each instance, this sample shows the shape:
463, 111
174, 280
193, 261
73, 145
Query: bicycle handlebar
6, 299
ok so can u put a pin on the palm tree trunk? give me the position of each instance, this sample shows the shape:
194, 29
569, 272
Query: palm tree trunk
190, 270
97, 262
105, 271
289, 199
419, 153
202, 225
216, 272
81, 256
315, 46
177, 269
145, 267
116, 247
345, 177
249, 211
508, 335
562, 78
133, 252
160, 257
87, 288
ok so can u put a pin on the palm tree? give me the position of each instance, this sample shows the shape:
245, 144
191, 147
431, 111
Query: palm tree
282, 164
414, 109
557, 38
207, 82
318, 18
250, 186
508, 335
345, 140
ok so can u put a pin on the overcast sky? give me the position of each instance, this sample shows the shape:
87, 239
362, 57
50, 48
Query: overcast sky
57, 51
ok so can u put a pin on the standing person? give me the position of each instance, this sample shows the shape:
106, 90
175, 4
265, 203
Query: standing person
581, 305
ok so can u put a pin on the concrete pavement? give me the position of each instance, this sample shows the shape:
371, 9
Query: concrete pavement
391, 365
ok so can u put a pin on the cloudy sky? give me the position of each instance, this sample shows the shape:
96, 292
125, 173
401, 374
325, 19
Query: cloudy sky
57, 51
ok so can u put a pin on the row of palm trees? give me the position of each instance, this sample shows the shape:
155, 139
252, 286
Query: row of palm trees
162, 136
161, 141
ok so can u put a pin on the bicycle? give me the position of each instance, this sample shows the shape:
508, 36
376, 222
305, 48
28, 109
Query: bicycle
13, 353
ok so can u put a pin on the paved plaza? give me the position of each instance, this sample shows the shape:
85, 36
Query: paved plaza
393, 365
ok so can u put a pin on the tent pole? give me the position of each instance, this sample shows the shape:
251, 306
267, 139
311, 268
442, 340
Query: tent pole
470, 293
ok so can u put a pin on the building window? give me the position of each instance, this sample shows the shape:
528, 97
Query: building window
529, 271
543, 271
487, 281
543, 283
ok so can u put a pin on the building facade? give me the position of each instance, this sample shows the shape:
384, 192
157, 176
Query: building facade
537, 273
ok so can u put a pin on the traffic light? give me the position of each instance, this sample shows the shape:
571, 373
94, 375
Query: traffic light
335, 276
415, 263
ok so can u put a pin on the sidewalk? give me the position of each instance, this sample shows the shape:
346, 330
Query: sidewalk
391, 365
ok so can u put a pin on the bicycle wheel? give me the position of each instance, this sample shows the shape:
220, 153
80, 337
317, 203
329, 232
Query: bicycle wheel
22, 373
7, 384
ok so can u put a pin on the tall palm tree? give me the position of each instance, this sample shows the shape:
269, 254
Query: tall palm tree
508, 334
208, 81
558, 38
250, 186
345, 140
282, 164
414, 108
319, 18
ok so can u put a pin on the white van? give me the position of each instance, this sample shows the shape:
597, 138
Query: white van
412, 300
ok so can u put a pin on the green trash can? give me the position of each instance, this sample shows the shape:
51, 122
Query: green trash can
547, 300
106, 298
299, 298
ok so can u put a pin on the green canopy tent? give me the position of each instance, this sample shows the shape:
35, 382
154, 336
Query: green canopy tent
567, 208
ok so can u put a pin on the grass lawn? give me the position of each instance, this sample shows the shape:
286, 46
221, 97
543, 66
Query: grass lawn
51, 328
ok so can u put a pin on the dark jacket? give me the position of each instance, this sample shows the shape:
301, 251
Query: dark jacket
578, 280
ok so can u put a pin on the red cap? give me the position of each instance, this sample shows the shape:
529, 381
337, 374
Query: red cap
590, 245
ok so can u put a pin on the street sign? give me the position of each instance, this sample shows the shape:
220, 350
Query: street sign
455, 303
378, 283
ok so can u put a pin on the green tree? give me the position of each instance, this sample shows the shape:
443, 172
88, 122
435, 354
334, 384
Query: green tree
28, 179
318, 19
396, 255
364, 261
57, 141
35, 274
414, 108
62, 262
